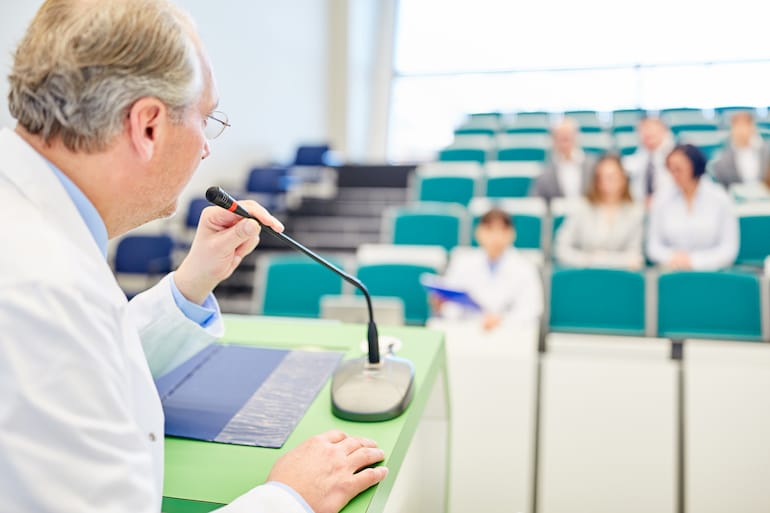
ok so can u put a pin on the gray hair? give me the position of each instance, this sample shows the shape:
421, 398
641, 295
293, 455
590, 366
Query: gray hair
83, 64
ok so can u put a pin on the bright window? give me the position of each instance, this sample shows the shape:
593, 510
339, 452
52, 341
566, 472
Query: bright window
453, 57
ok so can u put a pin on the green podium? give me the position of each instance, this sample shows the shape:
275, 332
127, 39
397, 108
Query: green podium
202, 476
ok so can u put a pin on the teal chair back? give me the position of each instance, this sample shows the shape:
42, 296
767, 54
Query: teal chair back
529, 229
462, 155
526, 130
475, 131
509, 186
627, 150
618, 129
556, 223
522, 154
755, 240
401, 281
709, 305
694, 127
426, 228
595, 151
597, 301
294, 287
446, 189
710, 150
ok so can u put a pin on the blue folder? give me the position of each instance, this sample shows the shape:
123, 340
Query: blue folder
433, 285
243, 395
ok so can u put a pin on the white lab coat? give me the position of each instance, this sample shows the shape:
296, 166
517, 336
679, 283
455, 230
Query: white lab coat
514, 290
81, 425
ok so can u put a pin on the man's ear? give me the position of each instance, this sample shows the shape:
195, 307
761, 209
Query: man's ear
146, 121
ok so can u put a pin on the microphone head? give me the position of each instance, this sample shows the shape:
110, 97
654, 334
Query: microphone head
219, 197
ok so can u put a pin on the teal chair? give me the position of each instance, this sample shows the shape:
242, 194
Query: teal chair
482, 115
709, 305
474, 131
597, 301
587, 120
509, 186
526, 130
724, 114
755, 239
462, 155
627, 118
529, 229
710, 150
735, 108
522, 154
424, 227
595, 151
294, 286
446, 189
623, 129
556, 222
401, 281
694, 127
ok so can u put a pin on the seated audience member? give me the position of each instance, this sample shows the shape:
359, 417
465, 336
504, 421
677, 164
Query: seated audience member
503, 283
692, 225
746, 158
606, 229
568, 170
647, 166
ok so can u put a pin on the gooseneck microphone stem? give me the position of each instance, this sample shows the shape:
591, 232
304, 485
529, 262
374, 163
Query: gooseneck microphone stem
220, 198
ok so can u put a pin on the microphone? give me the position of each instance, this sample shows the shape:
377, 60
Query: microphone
363, 389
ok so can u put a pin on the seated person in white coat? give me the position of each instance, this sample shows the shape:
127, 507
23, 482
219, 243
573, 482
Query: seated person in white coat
647, 166
114, 102
692, 226
504, 284
607, 228
746, 158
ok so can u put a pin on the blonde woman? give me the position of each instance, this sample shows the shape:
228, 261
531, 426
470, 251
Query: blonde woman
606, 229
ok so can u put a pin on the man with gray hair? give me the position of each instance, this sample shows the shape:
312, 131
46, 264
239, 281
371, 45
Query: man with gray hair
114, 101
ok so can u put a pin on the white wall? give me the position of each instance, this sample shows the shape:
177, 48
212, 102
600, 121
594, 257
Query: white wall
14, 18
270, 60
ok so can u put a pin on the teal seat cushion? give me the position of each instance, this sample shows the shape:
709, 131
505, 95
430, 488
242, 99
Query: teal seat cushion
598, 301
462, 155
709, 305
427, 229
401, 281
509, 186
755, 240
447, 189
294, 287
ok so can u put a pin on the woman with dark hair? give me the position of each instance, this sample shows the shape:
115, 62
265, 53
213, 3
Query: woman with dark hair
606, 229
692, 226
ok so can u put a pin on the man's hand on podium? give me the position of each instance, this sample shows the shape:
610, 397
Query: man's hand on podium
328, 470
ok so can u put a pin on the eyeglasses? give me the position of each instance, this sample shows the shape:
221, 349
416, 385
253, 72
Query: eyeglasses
215, 129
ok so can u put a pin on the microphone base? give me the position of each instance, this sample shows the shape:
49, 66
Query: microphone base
362, 392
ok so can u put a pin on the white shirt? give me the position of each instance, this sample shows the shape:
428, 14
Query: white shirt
748, 162
81, 424
511, 288
708, 231
636, 167
570, 174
